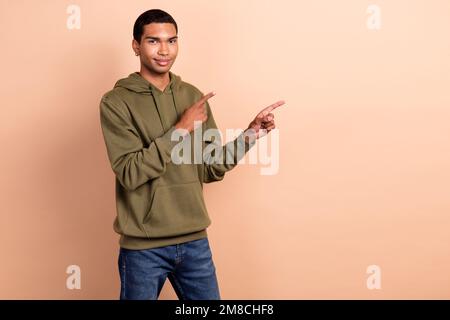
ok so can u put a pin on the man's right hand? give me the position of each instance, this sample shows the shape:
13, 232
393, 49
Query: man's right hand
196, 112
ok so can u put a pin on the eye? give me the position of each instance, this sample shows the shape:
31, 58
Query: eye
151, 41
173, 40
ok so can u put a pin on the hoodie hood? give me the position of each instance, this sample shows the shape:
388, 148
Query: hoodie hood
136, 83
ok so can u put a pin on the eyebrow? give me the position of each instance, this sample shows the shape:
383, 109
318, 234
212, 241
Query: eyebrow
156, 38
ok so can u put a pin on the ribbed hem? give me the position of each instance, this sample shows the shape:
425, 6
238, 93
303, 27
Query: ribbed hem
133, 243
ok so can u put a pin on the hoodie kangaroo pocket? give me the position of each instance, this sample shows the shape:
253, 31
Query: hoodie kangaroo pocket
176, 210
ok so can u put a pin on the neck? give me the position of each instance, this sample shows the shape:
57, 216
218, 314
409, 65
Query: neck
159, 80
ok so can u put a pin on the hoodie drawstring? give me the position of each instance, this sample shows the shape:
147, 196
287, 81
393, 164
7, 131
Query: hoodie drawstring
157, 103
155, 100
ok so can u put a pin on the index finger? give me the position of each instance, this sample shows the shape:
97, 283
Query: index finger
205, 98
269, 109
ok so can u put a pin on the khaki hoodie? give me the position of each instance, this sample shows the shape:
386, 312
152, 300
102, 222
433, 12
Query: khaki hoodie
158, 202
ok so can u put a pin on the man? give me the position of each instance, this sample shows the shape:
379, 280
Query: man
161, 214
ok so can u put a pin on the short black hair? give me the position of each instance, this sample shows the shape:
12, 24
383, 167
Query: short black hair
150, 16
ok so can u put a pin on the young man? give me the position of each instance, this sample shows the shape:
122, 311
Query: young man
161, 214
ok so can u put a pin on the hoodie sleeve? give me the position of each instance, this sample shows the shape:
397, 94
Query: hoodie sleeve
235, 150
132, 164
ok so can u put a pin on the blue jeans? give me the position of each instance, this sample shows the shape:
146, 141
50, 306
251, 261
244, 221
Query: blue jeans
189, 267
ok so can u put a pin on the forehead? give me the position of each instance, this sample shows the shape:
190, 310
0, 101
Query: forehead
160, 30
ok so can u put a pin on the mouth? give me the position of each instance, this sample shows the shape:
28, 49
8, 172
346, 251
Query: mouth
162, 62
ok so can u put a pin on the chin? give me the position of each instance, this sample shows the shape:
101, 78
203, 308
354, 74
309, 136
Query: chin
160, 69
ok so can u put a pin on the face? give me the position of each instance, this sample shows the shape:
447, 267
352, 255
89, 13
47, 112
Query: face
158, 48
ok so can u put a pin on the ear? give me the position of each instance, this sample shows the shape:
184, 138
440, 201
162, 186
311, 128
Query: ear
135, 46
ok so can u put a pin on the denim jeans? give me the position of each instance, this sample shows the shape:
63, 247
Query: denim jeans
189, 267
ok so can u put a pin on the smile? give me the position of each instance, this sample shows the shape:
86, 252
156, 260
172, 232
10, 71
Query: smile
162, 62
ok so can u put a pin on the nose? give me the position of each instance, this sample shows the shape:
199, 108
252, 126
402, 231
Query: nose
163, 49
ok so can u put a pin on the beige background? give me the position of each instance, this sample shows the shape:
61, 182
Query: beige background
364, 145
